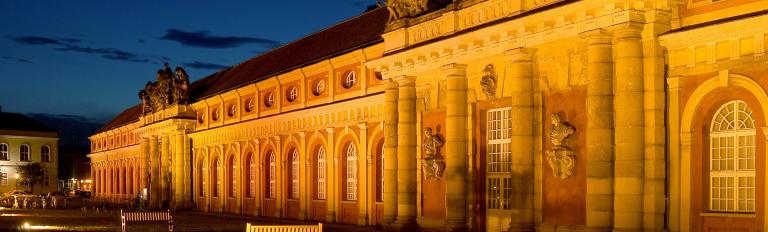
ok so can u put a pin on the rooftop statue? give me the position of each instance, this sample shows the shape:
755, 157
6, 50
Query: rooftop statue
400, 9
171, 88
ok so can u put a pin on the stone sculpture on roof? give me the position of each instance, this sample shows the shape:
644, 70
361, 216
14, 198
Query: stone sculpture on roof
170, 88
400, 9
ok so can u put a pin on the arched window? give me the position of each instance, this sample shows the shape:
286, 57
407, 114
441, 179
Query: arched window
45, 154
295, 174
320, 173
250, 172
271, 175
24, 152
129, 184
351, 174
380, 174
732, 159
232, 177
216, 177
3, 151
202, 177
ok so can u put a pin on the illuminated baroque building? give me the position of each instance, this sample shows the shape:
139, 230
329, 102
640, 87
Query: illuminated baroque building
25, 141
471, 115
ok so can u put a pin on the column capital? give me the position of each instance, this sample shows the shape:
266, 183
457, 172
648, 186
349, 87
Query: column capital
596, 36
362, 126
276, 138
520, 54
330, 130
403, 81
628, 31
674, 82
302, 134
686, 138
454, 69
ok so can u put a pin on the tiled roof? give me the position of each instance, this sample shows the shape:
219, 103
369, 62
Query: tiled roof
20, 122
335, 40
127, 116
350, 34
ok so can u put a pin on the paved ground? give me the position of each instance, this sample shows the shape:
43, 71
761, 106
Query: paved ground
76, 220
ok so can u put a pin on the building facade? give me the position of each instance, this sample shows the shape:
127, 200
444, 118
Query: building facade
490, 115
24, 141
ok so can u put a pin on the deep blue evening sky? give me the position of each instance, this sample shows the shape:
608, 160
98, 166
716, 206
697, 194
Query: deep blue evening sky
91, 58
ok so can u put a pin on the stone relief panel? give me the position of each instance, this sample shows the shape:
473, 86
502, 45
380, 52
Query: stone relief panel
563, 68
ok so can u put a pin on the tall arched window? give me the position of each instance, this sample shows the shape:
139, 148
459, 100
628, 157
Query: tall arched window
380, 174
320, 173
24, 152
351, 174
271, 175
202, 177
232, 177
3, 151
250, 172
45, 154
732, 159
295, 174
216, 177
130, 181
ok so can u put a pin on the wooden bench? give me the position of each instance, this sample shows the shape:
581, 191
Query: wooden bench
146, 216
291, 228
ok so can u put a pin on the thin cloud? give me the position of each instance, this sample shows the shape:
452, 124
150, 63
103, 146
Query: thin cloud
22, 60
37, 40
202, 65
107, 53
70, 45
203, 40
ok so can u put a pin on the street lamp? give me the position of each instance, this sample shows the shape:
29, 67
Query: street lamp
17, 181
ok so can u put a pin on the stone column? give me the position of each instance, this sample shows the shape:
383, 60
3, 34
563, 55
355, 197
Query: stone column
629, 155
673, 115
259, 176
519, 71
304, 176
145, 158
280, 179
363, 163
330, 178
178, 169
456, 146
165, 175
390, 153
406, 153
655, 107
188, 176
154, 175
600, 132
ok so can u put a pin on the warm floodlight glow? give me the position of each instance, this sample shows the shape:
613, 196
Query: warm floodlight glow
17, 176
26, 225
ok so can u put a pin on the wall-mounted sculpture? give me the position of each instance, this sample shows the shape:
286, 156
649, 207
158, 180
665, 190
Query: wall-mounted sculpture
433, 164
170, 88
400, 9
561, 158
488, 81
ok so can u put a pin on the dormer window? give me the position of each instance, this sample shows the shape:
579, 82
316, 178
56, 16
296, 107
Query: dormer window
269, 99
231, 110
292, 94
349, 79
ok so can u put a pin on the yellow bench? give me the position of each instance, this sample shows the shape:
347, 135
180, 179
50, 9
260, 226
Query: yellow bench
291, 228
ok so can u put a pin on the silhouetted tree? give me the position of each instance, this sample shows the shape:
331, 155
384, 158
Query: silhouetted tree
31, 175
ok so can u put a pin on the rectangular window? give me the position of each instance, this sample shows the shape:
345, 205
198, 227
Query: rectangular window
732, 173
498, 159
3, 177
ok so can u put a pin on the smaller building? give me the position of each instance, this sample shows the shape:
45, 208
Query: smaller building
25, 141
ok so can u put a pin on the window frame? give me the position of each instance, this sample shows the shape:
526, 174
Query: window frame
350, 175
498, 177
45, 156
737, 137
295, 174
4, 151
23, 154
321, 174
